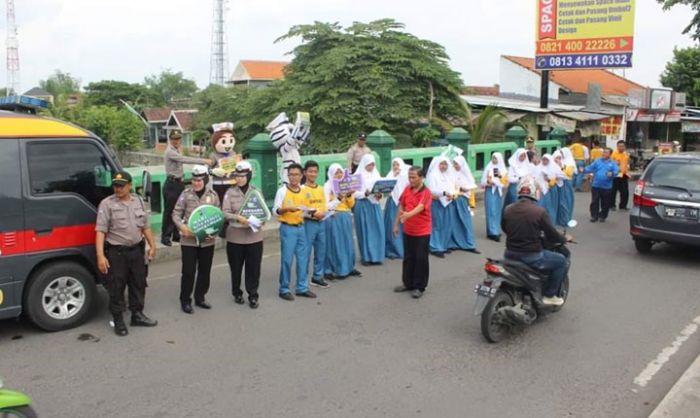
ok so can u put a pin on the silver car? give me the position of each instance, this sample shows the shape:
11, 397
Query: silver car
667, 202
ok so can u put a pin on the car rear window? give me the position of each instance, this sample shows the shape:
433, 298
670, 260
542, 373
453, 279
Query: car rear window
675, 173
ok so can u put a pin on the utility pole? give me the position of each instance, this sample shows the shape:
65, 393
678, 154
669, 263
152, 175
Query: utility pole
12, 51
218, 63
544, 90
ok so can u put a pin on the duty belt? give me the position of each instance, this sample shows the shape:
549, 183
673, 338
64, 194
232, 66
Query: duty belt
125, 248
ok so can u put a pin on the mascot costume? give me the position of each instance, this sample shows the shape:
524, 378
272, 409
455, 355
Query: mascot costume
224, 158
288, 138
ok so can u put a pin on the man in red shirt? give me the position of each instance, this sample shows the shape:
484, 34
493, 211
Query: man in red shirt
414, 214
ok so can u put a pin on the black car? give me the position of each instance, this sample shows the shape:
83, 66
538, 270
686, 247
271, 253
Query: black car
667, 202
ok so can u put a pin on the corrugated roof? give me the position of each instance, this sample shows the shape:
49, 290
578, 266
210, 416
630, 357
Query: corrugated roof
577, 80
264, 70
582, 116
157, 114
37, 92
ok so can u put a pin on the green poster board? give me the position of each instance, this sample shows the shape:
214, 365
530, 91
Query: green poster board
254, 205
206, 221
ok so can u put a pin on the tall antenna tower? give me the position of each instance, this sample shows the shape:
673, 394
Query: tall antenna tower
12, 51
219, 61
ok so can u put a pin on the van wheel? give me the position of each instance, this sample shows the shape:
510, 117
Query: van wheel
642, 245
59, 296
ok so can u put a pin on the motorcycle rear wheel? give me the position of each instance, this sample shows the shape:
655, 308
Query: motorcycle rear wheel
490, 328
563, 293
18, 412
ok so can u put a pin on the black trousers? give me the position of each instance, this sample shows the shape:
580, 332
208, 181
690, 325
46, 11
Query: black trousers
171, 192
621, 185
195, 260
127, 268
600, 202
250, 256
416, 264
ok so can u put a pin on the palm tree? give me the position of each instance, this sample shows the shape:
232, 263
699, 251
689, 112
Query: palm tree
487, 124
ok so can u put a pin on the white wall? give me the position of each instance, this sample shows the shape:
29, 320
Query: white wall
516, 79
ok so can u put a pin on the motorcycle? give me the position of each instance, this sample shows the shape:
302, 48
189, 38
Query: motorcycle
511, 294
15, 404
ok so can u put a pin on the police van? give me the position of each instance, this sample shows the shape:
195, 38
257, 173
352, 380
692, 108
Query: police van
53, 175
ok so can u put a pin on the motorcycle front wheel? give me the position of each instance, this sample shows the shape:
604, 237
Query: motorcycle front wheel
18, 412
493, 330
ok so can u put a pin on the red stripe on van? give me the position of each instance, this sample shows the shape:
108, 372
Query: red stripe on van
26, 242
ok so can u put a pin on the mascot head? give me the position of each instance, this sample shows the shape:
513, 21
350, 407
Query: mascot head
222, 138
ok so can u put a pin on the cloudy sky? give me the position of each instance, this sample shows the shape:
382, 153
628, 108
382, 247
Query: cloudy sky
129, 39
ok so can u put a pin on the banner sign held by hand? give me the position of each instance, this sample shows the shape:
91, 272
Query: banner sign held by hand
254, 205
384, 186
348, 184
206, 221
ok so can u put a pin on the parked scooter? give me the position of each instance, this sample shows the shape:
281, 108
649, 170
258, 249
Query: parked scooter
15, 404
511, 294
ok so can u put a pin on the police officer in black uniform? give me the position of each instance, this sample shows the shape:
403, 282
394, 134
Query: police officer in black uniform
122, 224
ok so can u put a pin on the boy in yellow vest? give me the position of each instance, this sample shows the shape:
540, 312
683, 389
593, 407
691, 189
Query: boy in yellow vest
314, 222
289, 207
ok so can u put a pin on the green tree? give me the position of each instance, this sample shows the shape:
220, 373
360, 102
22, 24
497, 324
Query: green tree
364, 77
118, 127
171, 87
682, 73
111, 92
60, 84
694, 27
488, 126
220, 104
3, 92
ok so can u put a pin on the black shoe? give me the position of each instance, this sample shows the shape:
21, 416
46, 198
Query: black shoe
594, 220
355, 273
365, 263
239, 299
602, 220
613, 209
287, 296
329, 277
203, 304
167, 242
439, 255
402, 288
253, 304
119, 326
340, 277
187, 308
624, 209
416, 294
308, 294
473, 251
138, 319
376, 263
320, 283
494, 238
449, 251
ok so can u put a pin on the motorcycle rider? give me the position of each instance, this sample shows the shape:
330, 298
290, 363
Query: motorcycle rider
523, 223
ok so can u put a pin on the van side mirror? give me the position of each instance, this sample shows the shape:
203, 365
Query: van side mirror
147, 185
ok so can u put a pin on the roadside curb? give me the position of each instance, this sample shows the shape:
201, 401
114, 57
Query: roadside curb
683, 400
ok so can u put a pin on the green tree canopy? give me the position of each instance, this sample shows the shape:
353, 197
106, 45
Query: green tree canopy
364, 77
60, 84
118, 127
694, 27
682, 73
171, 86
111, 92
222, 104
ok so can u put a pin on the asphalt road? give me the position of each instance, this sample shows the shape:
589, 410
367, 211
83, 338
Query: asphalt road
361, 350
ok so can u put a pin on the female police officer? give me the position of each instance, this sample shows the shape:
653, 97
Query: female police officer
196, 256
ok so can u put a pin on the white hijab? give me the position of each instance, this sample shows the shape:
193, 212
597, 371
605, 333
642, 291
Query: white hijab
368, 177
464, 178
401, 179
488, 172
328, 188
568, 158
549, 172
518, 169
440, 182
560, 153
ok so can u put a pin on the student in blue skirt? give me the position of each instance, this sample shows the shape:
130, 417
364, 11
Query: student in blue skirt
394, 244
369, 223
442, 187
462, 236
494, 181
566, 162
519, 167
550, 179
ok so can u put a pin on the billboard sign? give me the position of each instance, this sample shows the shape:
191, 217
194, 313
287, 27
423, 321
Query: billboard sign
577, 34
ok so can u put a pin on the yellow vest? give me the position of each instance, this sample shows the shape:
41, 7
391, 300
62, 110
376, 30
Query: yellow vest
596, 153
578, 151
315, 197
293, 200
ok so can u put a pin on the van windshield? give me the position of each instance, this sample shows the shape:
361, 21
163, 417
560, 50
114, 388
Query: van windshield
680, 174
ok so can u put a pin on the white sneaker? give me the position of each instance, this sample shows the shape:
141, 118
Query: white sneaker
554, 301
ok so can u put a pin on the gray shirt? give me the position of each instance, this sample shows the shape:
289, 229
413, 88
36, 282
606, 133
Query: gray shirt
186, 204
355, 154
122, 221
237, 233
174, 160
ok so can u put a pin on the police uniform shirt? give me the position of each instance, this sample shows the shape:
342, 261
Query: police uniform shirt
355, 154
287, 198
123, 222
186, 204
174, 160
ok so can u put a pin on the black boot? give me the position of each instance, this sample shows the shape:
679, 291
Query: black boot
119, 326
138, 319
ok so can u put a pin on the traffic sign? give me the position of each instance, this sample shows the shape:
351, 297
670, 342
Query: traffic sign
584, 34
